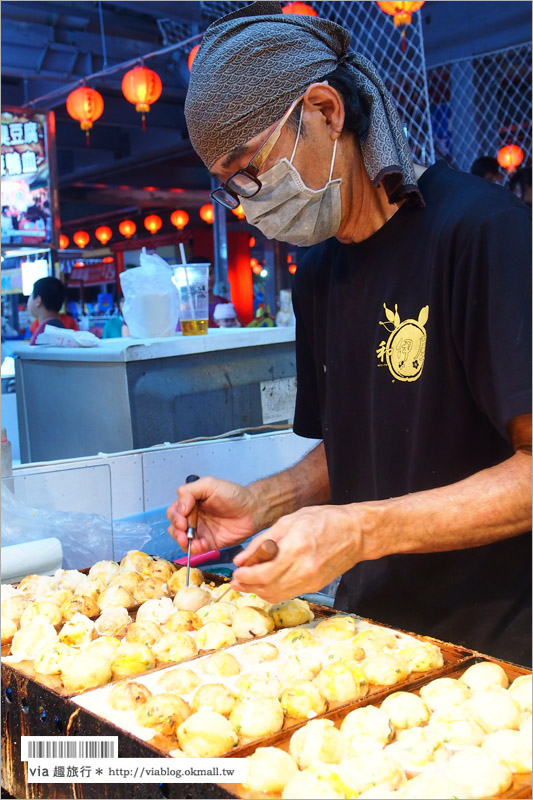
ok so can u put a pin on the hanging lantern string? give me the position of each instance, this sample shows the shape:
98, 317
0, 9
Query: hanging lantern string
110, 70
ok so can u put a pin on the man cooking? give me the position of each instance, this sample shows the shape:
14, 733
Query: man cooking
412, 341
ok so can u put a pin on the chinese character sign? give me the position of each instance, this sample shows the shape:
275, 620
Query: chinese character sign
27, 210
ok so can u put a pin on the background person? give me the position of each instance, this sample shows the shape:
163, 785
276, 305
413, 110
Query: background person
487, 167
520, 185
45, 303
412, 345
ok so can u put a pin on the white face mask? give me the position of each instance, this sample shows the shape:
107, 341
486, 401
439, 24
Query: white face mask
289, 211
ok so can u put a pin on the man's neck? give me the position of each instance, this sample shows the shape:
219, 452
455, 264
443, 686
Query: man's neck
45, 315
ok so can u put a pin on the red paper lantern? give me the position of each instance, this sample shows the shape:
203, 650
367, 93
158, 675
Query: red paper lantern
251, 241
207, 213
103, 234
142, 87
510, 157
401, 10
299, 8
292, 268
79, 264
192, 56
179, 219
239, 212
108, 259
86, 106
127, 228
153, 223
257, 269
81, 238
63, 242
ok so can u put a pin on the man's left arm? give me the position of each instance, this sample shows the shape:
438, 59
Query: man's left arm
318, 543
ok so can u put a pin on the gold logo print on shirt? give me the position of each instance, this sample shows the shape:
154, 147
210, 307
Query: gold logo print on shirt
405, 349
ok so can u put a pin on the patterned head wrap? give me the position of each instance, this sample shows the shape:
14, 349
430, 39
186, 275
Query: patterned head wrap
254, 62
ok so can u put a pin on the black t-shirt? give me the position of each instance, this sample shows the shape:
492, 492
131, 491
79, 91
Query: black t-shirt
413, 354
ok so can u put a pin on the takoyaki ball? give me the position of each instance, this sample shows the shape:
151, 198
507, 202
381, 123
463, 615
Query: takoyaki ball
232, 594
385, 669
85, 671
128, 696
9, 629
128, 580
512, 747
421, 656
526, 724
135, 561
215, 635
257, 684
180, 680
444, 692
151, 589
494, 709
104, 570
249, 622
69, 579
159, 568
54, 660
375, 640
191, 598
131, 659
260, 652
30, 641
217, 612
431, 784
342, 681
213, 697
206, 734
417, 748
339, 628
319, 740
269, 769
521, 691
80, 605
57, 596
174, 647
249, 599
302, 700
178, 579
256, 717
14, 605
479, 773
157, 611
363, 770
41, 608
454, 727
368, 723
304, 665
144, 631
405, 710
32, 586
314, 782
115, 597
298, 638
113, 622
346, 650
107, 646
183, 621
163, 712
92, 588
291, 612
485, 675
220, 665
78, 630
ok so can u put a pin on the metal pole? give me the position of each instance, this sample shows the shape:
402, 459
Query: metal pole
222, 287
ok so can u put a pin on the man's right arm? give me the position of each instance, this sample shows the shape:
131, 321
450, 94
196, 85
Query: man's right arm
304, 484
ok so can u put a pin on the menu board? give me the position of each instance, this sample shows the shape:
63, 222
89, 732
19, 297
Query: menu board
29, 194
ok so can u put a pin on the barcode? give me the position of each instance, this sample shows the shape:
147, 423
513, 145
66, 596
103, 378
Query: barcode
39, 747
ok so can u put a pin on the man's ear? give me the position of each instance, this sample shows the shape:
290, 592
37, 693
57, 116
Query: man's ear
324, 98
38, 300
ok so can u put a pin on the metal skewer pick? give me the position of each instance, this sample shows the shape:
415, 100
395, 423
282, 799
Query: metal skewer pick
266, 551
192, 522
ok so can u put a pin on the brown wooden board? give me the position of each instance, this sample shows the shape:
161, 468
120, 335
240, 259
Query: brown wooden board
522, 783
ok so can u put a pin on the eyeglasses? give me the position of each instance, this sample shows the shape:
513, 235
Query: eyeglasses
244, 182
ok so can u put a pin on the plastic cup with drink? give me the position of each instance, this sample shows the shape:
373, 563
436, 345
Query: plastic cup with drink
192, 282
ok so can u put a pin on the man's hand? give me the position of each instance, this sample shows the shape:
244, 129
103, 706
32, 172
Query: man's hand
225, 514
316, 544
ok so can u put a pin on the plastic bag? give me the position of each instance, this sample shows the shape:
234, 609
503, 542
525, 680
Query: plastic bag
60, 337
150, 298
85, 538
